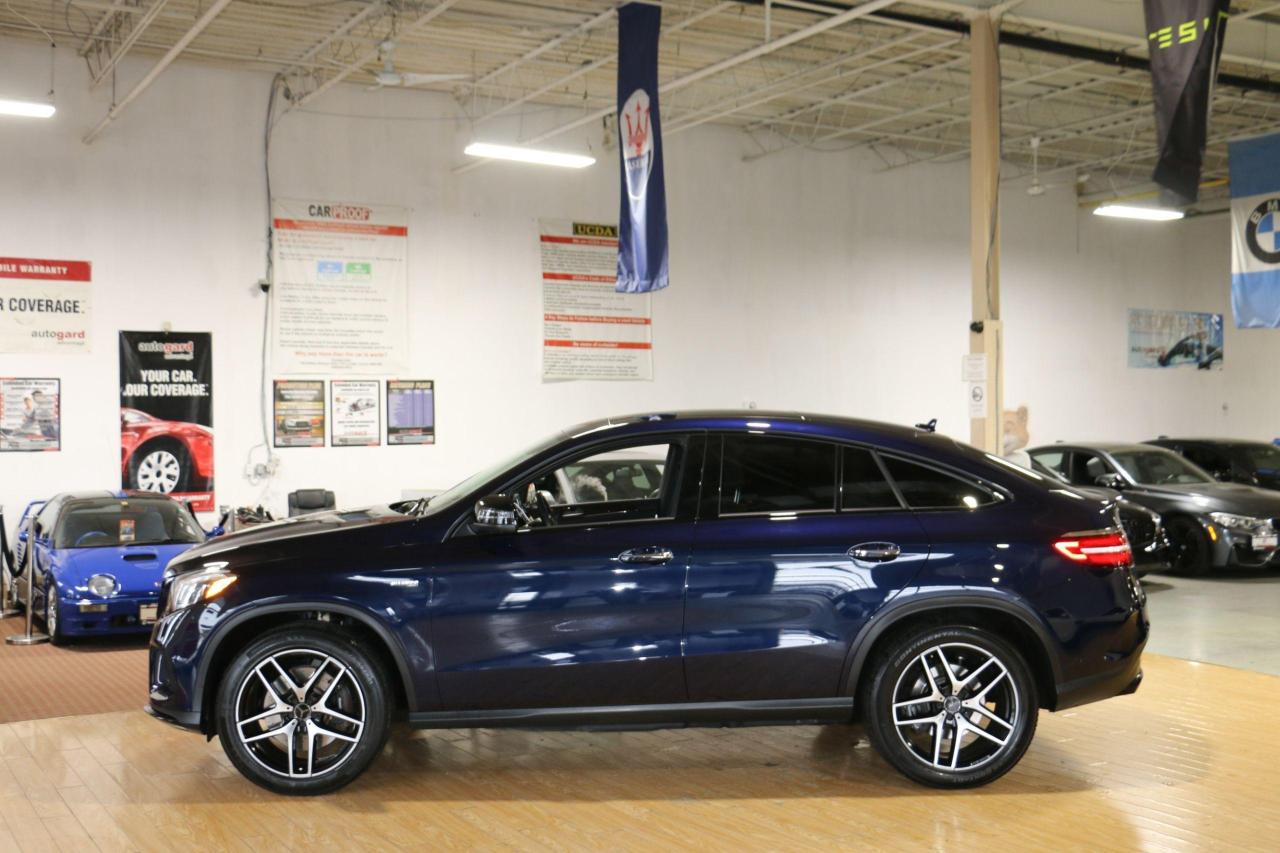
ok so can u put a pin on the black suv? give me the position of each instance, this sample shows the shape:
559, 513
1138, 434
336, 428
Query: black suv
1253, 463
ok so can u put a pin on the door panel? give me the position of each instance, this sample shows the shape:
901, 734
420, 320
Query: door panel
553, 617
774, 604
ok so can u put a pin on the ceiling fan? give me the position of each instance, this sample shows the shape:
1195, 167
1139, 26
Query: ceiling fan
389, 76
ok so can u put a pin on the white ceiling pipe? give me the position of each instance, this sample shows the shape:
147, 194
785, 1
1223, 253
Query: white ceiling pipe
714, 68
135, 33
585, 26
87, 44
165, 61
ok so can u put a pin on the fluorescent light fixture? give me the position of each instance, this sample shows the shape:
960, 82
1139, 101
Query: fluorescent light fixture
1129, 211
30, 109
528, 155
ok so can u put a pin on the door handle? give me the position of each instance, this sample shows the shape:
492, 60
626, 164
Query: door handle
652, 554
875, 552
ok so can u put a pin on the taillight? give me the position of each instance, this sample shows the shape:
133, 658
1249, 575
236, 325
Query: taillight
1096, 548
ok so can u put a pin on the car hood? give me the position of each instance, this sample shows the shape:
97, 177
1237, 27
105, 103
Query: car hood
137, 568
262, 539
1216, 497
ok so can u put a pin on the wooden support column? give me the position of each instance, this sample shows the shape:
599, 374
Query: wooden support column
984, 229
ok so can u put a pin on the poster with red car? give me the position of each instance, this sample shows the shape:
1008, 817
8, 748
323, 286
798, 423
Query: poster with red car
166, 414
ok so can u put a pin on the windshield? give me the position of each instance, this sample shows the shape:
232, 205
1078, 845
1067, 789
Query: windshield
1159, 467
451, 496
1264, 458
112, 522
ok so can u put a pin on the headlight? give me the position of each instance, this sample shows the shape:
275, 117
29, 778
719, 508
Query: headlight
1243, 523
199, 586
103, 586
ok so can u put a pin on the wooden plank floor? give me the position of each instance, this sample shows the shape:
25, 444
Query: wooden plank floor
1188, 763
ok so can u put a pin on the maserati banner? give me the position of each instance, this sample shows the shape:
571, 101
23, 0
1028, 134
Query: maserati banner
642, 234
1255, 231
1184, 41
166, 414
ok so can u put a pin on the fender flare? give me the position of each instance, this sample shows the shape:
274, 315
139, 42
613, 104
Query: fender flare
941, 600
254, 611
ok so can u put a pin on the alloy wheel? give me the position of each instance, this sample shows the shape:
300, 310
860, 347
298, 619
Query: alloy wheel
159, 471
955, 707
51, 611
300, 713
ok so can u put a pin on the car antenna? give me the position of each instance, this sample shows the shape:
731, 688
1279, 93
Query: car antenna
931, 426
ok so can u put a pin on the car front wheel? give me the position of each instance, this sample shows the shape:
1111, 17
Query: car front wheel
303, 710
52, 624
951, 707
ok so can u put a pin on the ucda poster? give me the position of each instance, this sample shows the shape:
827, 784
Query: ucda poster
166, 414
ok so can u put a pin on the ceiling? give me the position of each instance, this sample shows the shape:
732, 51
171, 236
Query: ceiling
821, 75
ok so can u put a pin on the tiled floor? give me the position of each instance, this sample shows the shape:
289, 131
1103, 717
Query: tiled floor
1230, 618
1184, 764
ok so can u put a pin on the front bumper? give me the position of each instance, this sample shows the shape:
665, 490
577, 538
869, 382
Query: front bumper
119, 614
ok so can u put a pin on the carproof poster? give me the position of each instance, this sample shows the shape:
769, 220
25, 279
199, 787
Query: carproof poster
1175, 339
44, 305
411, 411
166, 414
339, 303
298, 413
30, 414
357, 419
589, 331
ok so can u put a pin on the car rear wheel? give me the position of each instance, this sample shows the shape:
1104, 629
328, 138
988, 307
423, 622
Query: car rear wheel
162, 468
303, 711
1192, 553
950, 707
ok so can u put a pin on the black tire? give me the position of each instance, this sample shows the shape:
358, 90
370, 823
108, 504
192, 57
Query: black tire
1190, 551
52, 622
1007, 691
360, 690
158, 449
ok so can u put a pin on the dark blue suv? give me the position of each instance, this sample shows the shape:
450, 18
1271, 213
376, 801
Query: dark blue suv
665, 570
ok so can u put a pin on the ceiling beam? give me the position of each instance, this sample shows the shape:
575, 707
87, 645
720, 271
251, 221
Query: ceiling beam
859, 11
197, 28
116, 52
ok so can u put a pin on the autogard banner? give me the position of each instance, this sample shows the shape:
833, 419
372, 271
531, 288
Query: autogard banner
1255, 231
1184, 41
44, 305
642, 233
166, 414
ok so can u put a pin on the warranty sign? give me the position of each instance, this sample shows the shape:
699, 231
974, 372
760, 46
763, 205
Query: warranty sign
44, 305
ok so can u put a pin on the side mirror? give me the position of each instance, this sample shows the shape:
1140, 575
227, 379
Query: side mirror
1111, 481
496, 514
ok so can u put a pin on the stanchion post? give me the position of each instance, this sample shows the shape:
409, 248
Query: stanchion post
6, 591
30, 638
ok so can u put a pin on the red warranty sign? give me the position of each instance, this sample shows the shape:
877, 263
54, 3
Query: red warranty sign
42, 268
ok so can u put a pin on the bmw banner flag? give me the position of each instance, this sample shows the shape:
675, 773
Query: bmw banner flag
642, 231
1255, 231
1184, 42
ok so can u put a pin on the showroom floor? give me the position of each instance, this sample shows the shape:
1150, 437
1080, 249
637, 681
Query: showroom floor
1170, 767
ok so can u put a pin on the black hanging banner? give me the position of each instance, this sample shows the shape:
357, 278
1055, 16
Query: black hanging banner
1184, 39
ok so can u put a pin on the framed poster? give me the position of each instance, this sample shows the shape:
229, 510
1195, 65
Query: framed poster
1175, 339
45, 305
297, 411
30, 414
357, 415
411, 411
166, 414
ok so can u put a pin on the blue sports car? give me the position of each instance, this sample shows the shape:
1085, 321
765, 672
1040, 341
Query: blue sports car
100, 558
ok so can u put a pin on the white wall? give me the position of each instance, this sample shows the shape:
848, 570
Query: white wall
807, 281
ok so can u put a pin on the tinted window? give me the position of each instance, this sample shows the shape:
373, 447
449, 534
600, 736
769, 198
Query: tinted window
762, 473
1207, 459
927, 488
864, 485
1154, 467
1264, 458
1089, 467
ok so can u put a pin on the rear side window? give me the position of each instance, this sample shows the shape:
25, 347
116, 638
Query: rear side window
761, 473
863, 485
928, 488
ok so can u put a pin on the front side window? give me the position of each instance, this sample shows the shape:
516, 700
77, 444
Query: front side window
928, 488
1264, 458
772, 474
1155, 467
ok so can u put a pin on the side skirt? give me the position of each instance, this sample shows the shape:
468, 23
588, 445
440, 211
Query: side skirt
675, 714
